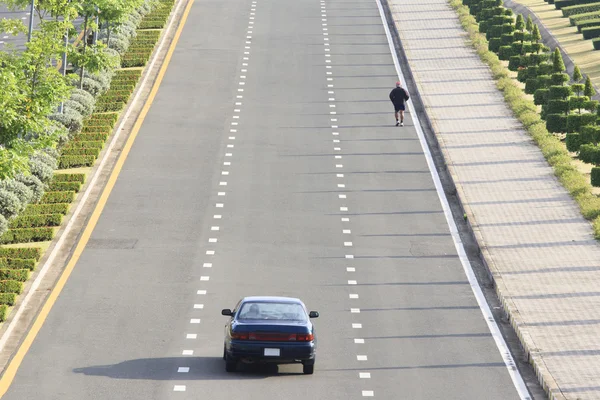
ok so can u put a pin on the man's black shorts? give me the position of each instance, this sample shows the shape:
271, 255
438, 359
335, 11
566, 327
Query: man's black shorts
399, 107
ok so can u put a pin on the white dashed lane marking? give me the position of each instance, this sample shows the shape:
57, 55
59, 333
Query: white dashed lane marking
184, 370
179, 388
368, 393
364, 375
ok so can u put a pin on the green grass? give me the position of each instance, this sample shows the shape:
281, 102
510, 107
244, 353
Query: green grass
552, 148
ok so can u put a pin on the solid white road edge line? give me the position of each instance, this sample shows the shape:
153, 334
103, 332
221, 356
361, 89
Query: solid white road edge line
467, 267
59, 244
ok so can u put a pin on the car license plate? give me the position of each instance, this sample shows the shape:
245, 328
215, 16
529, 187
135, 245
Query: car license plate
272, 352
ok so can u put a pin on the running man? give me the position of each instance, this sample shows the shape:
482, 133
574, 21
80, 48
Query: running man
398, 96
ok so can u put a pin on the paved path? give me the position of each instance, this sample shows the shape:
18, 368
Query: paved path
541, 251
292, 173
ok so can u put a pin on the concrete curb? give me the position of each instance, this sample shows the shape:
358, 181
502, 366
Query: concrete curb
453, 187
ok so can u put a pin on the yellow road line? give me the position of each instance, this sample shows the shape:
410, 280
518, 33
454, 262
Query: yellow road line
15, 363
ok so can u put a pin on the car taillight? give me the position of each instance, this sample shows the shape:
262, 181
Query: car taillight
305, 337
279, 337
239, 335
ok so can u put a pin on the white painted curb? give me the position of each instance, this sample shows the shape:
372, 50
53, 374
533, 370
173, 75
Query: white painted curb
467, 267
91, 186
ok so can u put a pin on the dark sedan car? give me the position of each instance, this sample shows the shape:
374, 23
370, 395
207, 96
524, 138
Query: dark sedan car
270, 330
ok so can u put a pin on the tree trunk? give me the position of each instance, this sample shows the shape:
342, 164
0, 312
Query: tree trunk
108, 34
82, 68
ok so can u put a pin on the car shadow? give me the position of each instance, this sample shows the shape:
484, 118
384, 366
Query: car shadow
200, 368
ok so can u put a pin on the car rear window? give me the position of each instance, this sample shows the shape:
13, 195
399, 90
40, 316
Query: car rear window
271, 311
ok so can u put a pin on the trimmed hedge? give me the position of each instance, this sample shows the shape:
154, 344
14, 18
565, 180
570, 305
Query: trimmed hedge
574, 19
540, 96
556, 123
591, 32
573, 141
557, 106
587, 23
58, 197
58, 208
26, 235
81, 151
596, 43
590, 134
69, 177
90, 137
21, 252
560, 92
65, 186
6, 299
580, 9
18, 263
576, 121
9, 286
20, 275
68, 161
589, 153
595, 176
35, 221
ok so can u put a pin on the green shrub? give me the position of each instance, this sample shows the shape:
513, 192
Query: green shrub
19, 189
20, 275
494, 32
545, 68
544, 81
560, 92
96, 129
11, 287
595, 176
91, 137
540, 96
35, 221
76, 161
591, 105
57, 208
522, 75
573, 19
505, 53
40, 170
507, 39
69, 178
33, 183
590, 134
70, 119
580, 9
21, 252
576, 121
65, 186
591, 32
531, 85
111, 118
80, 151
587, 23
18, 263
10, 205
555, 106
519, 36
57, 197
577, 102
26, 235
532, 71
514, 61
91, 144
573, 141
589, 153
8, 299
556, 123
560, 79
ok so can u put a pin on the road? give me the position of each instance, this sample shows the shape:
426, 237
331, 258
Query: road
298, 213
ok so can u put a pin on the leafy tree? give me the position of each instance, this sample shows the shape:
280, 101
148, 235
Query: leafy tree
558, 64
529, 24
577, 77
535, 34
520, 23
589, 89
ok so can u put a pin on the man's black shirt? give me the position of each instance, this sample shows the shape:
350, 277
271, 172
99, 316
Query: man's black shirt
398, 96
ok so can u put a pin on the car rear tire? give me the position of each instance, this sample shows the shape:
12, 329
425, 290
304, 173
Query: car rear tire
308, 369
224, 353
230, 365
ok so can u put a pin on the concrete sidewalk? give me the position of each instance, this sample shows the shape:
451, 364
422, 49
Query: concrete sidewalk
539, 248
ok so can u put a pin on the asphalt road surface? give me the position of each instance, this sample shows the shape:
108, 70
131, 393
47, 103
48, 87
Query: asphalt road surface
120, 328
